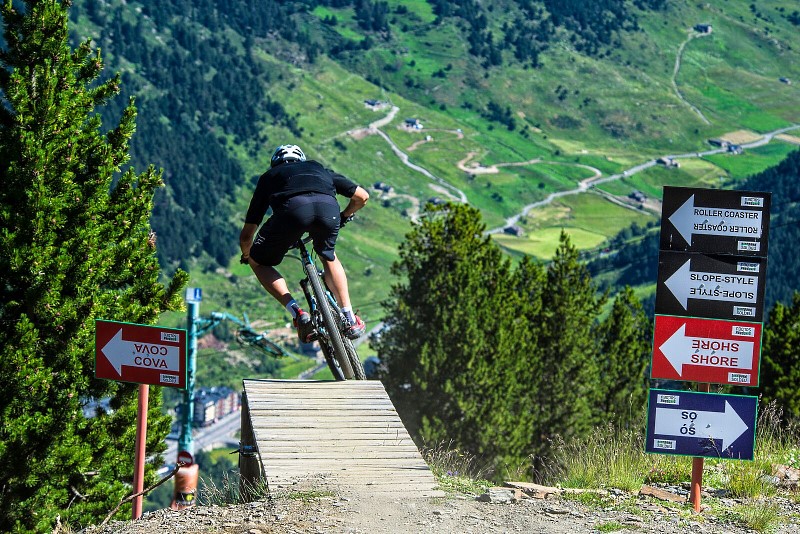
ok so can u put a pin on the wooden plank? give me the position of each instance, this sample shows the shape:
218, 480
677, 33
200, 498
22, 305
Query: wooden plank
356, 442
321, 400
283, 410
259, 418
340, 454
321, 445
338, 464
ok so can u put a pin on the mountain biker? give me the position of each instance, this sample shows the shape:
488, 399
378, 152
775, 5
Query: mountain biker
302, 195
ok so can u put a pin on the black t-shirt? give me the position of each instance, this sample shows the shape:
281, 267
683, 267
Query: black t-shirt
293, 178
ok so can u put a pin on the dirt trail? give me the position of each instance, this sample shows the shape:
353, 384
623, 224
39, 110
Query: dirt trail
678, 57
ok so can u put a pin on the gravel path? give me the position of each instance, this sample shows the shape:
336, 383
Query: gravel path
307, 511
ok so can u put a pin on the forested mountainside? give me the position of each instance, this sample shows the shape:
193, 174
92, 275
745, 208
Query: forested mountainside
592, 84
636, 262
193, 65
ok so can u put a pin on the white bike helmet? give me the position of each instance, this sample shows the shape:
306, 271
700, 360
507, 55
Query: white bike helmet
286, 153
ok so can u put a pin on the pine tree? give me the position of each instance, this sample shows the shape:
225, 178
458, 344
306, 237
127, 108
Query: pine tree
625, 350
75, 246
780, 365
569, 389
448, 338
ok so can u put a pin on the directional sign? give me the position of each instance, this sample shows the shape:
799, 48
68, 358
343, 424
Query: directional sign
715, 221
194, 294
706, 350
717, 287
140, 353
701, 424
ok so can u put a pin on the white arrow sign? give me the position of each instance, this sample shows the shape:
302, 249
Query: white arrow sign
681, 349
690, 219
686, 284
727, 426
119, 352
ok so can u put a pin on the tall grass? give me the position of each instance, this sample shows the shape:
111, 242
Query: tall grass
231, 490
455, 470
615, 458
760, 515
605, 457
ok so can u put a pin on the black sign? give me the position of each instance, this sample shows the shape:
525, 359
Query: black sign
714, 286
715, 221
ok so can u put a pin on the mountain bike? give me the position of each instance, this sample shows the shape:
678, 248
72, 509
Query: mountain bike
328, 320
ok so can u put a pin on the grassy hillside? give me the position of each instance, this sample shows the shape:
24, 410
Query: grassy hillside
660, 89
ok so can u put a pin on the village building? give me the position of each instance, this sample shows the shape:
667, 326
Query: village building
212, 404
414, 124
638, 196
383, 186
722, 143
703, 28
668, 162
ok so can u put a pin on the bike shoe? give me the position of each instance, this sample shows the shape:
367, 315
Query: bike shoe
305, 328
356, 329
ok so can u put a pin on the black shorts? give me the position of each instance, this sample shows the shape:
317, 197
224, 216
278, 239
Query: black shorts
314, 213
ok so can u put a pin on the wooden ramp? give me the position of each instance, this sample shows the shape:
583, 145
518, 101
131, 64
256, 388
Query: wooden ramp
335, 435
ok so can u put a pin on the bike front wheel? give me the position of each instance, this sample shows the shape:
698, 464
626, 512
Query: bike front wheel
332, 334
355, 361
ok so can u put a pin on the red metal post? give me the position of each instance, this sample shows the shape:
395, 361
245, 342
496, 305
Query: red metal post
697, 467
141, 438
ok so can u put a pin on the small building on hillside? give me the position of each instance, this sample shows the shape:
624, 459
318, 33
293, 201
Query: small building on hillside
735, 149
722, 143
414, 124
514, 230
703, 28
668, 162
784, 79
637, 196
383, 186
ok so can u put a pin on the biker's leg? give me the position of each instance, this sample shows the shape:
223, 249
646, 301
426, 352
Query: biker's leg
275, 284
336, 279
268, 250
272, 281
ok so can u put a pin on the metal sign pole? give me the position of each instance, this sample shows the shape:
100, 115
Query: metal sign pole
697, 468
185, 439
139, 455
185, 488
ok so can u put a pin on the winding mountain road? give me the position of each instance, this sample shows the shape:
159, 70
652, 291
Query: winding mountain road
583, 186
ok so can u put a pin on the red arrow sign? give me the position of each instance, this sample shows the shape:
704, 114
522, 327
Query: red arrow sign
706, 350
140, 353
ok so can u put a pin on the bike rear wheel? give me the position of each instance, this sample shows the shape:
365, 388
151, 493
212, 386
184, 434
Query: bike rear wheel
334, 337
333, 365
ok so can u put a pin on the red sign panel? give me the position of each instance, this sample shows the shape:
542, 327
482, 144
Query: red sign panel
706, 350
185, 458
140, 353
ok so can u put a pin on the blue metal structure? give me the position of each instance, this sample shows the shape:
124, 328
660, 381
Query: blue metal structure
197, 327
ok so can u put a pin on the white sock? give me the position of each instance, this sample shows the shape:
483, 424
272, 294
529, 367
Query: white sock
348, 314
293, 308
